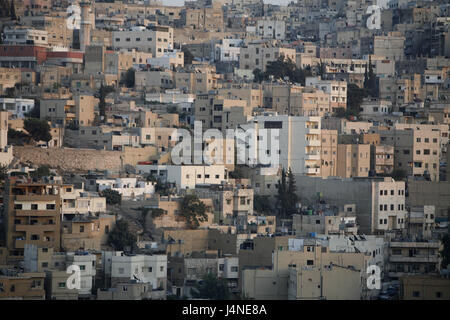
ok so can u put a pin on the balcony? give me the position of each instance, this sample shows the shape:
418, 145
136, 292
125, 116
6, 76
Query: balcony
37, 213
310, 170
313, 130
313, 143
38, 228
414, 259
418, 245
313, 156
35, 197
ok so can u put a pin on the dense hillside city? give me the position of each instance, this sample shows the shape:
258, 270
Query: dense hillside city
224, 150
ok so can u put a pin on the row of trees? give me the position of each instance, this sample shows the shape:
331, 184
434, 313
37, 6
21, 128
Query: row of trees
38, 130
282, 68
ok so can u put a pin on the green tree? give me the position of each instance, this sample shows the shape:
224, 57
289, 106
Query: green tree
42, 171
286, 196
398, 174
120, 237
188, 56
112, 196
3, 172
445, 253
103, 93
355, 96
130, 78
211, 288
292, 197
193, 210
280, 69
370, 80
282, 198
39, 130
262, 204
35, 112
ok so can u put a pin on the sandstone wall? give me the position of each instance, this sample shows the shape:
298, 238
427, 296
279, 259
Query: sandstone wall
82, 159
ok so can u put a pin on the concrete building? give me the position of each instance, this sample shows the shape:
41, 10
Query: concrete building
17, 107
424, 287
155, 40
353, 160
381, 159
298, 142
222, 113
32, 216
336, 89
257, 55
127, 187
186, 176
422, 193
416, 151
150, 269
334, 282
390, 46
420, 223
408, 257
380, 202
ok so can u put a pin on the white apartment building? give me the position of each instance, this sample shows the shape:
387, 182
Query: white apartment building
86, 262
143, 268
168, 60
228, 50
186, 176
157, 40
17, 107
271, 29
127, 187
298, 142
76, 201
170, 96
21, 36
375, 107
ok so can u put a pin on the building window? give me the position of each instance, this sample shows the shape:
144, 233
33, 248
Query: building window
310, 262
416, 294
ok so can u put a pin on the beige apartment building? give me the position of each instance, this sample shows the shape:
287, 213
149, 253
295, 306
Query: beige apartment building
296, 100
416, 151
215, 111
251, 93
157, 120
333, 282
381, 159
156, 40
32, 216
402, 90
337, 90
86, 233
229, 202
353, 160
79, 110
171, 217
58, 32
200, 82
23, 286
329, 153
257, 55
411, 257
390, 46
260, 283
154, 81
205, 18
424, 287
